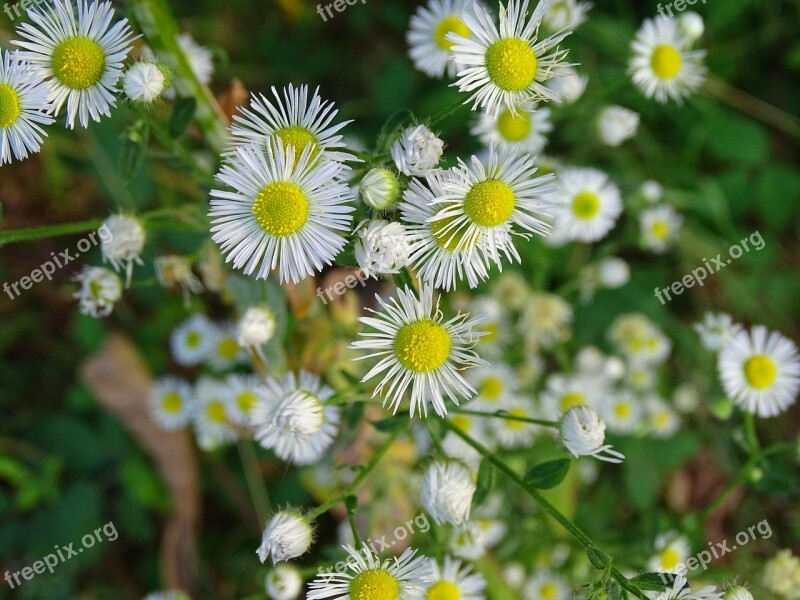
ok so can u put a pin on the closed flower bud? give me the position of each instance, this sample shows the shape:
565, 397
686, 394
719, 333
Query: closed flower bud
380, 188
287, 535
417, 150
145, 82
583, 433
447, 490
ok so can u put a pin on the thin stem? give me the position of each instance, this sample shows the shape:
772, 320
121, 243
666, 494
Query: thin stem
508, 417
444, 113
750, 433
573, 529
252, 472
323, 508
351, 518
36, 233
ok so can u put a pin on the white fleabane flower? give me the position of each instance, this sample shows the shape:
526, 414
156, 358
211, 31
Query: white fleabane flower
525, 131
621, 411
100, 290
417, 348
224, 351
452, 581
639, 339
583, 433
588, 205
662, 418
243, 397
283, 582
681, 591
659, 228
507, 65
255, 327
569, 85
172, 269
691, 25
615, 124
382, 247
199, 57
380, 188
496, 386
663, 65
171, 402
686, 398
297, 120
212, 414
23, 108
473, 541
192, 340
447, 489
291, 418
288, 534
545, 320
566, 14
546, 584
416, 151
282, 213
737, 592
613, 272
563, 392
369, 578
80, 53
782, 575
145, 81
515, 432
429, 48
760, 371
716, 329
672, 551
124, 244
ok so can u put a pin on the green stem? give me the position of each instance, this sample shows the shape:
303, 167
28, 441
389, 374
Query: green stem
36, 233
323, 508
508, 417
750, 433
351, 518
252, 473
444, 113
573, 529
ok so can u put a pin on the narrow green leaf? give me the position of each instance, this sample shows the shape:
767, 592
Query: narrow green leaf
549, 474
133, 151
182, 115
653, 582
598, 558
485, 482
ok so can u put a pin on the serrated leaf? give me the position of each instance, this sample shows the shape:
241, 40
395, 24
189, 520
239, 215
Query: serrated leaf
485, 482
182, 115
549, 474
653, 582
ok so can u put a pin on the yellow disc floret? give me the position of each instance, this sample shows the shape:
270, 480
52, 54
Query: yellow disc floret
228, 348
298, 138
660, 230
78, 62
491, 388
669, 559
374, 585
171, 402
246, 401
9, 106
513, 128
573, 399
422, 346
622, 411
281, 208
516, 423
451, 239
585, 205
760, 371
215, 411
489, 203
666, 62
451, 24
444, 590
512, 64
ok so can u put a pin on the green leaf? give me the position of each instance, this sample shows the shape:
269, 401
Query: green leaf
549, 474
598, 558
388, 424
134, 148
778, 193
351, 502
182, 115
653, 582
739, 140
485, 482
613, 590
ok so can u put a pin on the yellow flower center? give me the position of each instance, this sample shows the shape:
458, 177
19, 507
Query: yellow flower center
572, 399
78, 62
451, 24
660, 229
585, 205
9, 106
513, 128
622, 411
760, 371
193, 339
228, 348
666, 62
492, 329
449, 239
661, 419
489, 203
245, 401
513, 424
548, 591
374, 585
462, 422
215, 411
171, 402
281, 209
444, 590
422, 346
298, 138
512, 64
670, 559
491, 388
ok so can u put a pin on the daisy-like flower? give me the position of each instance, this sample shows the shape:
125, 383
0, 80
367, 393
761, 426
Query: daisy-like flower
447, 489
282, 213
123, 245
613, 272
382, 247
224, 351
192, 340
199, 57
686, 398
516, 433
418, 348
369, 578
588, 205
297, 120
672, 551
546, 320
496, 385
569, 85
454, 446
243, 397
525, 131
691, 25
146, 81
583, 433
681, 591
639, 339
615, 124
291, 417
507, 65
453, 581
380, 188
546, 584
441, 258
172, 269
716, 329
79, 52
255, 327
481, 534
23, 106
100, 290
494, 321
288, 534
566, 14
663, 64
760, 371
171, 402
494, 201
429, 48
659, 228
563, 392
661, 417
621, 412
511, 290
738, 592
417, 151
284, 582
782, 575
212, 414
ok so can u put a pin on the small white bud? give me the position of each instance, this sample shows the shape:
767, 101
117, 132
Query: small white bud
616, 124
583, 433
287, 535
692, 25
256, 327
380, 188
283, 582
382, 247
417, 150
447, 490
145, 81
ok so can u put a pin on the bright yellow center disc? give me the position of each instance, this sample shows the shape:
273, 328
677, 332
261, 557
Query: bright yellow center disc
78, 62
422, 346
512, 64
281, 209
